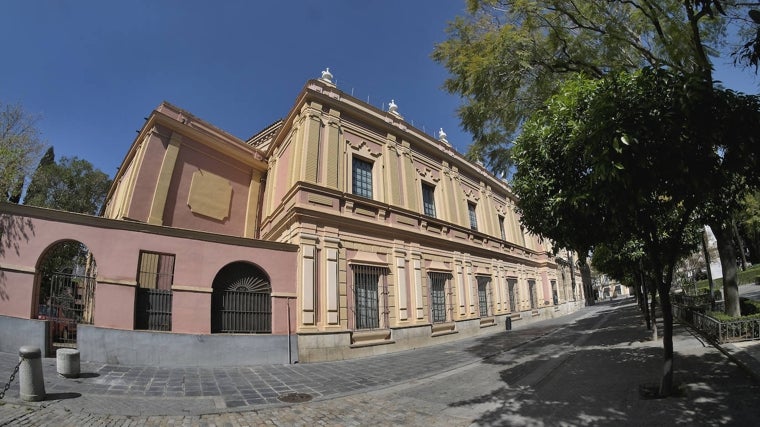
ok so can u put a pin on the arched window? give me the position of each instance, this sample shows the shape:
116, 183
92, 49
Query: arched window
241, 301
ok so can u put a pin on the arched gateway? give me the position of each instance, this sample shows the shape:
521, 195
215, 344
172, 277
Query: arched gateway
242, 300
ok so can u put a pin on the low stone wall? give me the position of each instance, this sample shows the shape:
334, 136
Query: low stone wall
16, 332
118, 347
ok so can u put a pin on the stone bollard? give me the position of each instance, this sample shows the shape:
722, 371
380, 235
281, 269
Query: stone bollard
31, 381
67, 362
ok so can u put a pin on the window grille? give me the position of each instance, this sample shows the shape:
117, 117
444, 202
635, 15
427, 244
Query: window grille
501, 228
438, 282
483, 284
367, 288
153, 299
241, 301
362, 178
532, 292
473, 216
428, 199
511, 285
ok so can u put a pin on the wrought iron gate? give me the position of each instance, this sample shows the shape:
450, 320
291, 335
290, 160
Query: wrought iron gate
241, 301
67, 300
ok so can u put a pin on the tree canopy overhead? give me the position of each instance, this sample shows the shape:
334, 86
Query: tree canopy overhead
506, 57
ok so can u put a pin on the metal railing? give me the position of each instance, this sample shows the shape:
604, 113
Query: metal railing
246, 312
718, 330
153, 309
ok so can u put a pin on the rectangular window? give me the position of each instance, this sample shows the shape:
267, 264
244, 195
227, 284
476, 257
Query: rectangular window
153, 300
483, 283
362, 178
555, 295
512, 285
367, 296
473, 216
501, 228
438, 296
532, 292
428, 199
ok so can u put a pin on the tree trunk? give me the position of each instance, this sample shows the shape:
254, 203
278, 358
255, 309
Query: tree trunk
653, 312
727, 255
709, 271
588, 287
666, 384
644, 303
739, 244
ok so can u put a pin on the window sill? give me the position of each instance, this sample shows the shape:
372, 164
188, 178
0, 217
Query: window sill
487, 322
370, 338
440, 329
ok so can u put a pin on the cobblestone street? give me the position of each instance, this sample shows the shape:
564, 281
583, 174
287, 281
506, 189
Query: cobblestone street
582, 369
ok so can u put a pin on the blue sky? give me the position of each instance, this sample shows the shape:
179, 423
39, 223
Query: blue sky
94, 69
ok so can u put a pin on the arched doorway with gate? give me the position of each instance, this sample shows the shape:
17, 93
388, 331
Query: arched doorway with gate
241, 301
66, 274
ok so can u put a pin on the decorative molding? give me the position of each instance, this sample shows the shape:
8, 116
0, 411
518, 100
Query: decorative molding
17, 268
199, 289
107, 281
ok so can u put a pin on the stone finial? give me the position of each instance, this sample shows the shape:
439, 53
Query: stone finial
442, 136
327, 76
393, 109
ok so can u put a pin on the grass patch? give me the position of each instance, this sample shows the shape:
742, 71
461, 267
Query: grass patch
750, 309
743, 277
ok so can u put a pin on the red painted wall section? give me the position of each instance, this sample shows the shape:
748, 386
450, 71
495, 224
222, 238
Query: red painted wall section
194, 157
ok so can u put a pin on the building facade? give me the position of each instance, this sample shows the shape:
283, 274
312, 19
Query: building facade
389, 239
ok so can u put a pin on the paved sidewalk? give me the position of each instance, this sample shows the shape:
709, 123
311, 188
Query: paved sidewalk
145, 391
516, 377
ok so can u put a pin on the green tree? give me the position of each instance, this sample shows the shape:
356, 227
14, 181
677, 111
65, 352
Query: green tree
20, 144
40, 179
506, 57
619, 159
750, 223
72, 185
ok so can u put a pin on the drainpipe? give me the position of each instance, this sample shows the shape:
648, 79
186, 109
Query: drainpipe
290, 350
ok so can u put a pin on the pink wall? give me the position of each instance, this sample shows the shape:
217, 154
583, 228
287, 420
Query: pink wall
145, 182
111, 310
115, 246
191, 313
193, 157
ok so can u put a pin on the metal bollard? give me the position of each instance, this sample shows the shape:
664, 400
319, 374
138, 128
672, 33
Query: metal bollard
31, 381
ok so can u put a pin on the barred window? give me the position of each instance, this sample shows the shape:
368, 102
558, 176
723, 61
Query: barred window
428, 199
532, 292
501, 228
153, 299
511, 285
362, 178
483, 284
473, 216
438, 296
367, 287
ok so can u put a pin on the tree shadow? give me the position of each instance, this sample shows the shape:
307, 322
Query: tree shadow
14, 231
593, 374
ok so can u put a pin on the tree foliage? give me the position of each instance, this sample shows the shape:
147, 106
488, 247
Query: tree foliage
20, 144
617, 160
72, 184
506, 57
